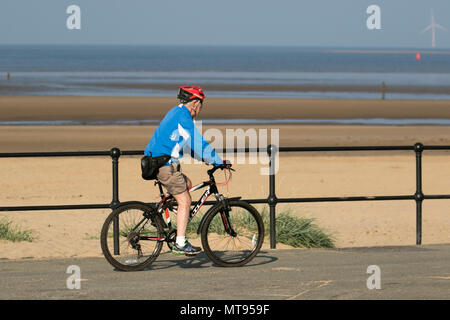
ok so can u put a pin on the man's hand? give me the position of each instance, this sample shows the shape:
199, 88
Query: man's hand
226, 165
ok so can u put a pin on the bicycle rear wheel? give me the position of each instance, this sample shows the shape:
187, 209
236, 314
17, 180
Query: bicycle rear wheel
233, 239
139, 241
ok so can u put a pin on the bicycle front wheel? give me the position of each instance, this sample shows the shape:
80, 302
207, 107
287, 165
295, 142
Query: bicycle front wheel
232, 239
131, 237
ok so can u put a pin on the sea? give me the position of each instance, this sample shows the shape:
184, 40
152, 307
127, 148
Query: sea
279, 72
225, 71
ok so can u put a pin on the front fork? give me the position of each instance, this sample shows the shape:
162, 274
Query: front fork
225, 215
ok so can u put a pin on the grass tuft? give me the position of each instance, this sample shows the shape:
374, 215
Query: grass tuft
11, 232
298, 232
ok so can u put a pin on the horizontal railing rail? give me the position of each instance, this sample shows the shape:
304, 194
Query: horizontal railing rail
272, 200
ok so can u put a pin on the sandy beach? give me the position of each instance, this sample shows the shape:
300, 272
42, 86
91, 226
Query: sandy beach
87, 180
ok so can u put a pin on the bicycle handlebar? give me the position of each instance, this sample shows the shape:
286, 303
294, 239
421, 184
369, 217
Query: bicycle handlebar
226, 165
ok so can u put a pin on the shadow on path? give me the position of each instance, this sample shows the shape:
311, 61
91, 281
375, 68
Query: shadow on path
167, 260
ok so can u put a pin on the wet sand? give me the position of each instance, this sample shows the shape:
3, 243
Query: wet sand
140, 108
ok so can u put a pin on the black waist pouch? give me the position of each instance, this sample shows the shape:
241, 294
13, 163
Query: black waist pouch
150, 166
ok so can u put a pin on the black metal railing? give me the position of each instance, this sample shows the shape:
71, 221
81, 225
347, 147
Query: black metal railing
272, 200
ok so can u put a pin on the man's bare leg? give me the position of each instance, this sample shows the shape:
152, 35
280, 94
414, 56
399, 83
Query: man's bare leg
184, 206
182, 246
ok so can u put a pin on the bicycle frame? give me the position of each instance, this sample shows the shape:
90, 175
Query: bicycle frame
164, 205
211, 189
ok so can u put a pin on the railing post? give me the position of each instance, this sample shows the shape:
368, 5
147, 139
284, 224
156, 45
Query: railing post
115, 154
272, 199
418, 196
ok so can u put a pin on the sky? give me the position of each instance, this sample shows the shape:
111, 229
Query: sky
335, 23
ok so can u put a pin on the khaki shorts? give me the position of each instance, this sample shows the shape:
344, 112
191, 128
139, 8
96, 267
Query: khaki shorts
172, 179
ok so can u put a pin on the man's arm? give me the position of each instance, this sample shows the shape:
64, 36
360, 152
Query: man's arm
198, 145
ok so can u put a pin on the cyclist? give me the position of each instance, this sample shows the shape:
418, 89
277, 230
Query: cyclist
175, 132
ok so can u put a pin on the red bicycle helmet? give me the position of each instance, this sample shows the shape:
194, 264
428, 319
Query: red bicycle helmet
188, 93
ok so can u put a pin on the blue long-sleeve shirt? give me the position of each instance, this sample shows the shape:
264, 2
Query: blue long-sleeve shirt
176, 131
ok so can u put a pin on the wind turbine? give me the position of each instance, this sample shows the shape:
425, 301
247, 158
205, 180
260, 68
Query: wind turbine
433, 27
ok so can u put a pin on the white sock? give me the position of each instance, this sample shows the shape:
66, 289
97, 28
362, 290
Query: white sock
181, 241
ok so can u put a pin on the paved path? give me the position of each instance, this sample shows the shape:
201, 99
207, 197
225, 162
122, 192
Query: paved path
410, 272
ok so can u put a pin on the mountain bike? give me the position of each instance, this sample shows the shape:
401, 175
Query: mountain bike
231, 231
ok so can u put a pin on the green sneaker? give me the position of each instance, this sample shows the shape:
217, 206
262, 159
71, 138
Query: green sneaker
188, 249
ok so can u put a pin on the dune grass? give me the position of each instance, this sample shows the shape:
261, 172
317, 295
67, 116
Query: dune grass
298, 232
13, 232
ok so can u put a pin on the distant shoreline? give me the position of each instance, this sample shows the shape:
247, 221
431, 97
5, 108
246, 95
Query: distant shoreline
294, 88
155, 90
236, 122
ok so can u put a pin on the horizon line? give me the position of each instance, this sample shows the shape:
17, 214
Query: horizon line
394, 51
338, 48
